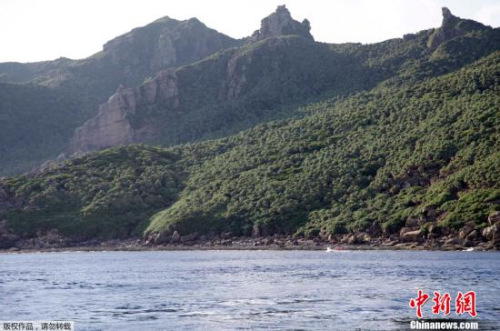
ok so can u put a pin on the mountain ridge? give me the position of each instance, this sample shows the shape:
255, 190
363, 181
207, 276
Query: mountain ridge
280, 20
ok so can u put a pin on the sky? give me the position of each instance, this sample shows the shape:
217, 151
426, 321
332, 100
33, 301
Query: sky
36, 30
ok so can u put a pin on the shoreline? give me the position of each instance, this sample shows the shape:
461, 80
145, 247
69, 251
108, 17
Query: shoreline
249, 245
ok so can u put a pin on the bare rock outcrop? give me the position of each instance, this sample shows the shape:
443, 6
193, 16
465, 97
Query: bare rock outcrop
234, 81
494, 218
112, 125
409, 235
281, 23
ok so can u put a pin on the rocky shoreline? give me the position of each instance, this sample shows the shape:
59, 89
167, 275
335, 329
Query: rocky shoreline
265, 243
411, 237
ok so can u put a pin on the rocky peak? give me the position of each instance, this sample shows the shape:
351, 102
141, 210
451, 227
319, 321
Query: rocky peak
281, 23
447, 15
449, 20
451, 27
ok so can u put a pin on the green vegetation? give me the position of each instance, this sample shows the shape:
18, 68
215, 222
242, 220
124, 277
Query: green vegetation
384, 155
339, 138
238, 88
107, 195
36, 123
268, 80
381, 155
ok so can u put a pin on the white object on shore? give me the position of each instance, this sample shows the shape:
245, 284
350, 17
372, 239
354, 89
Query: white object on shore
470, 249
335, 250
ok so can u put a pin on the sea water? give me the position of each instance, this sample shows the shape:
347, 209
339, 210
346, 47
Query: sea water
242, 290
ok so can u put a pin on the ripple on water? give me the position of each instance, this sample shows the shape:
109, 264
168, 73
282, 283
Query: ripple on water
239, 290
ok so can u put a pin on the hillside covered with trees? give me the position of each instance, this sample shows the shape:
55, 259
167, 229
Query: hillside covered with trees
277, 136
423, 157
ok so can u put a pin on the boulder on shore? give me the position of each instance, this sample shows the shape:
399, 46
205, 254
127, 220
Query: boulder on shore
176, 237
466, 229
492, 232
410, 236
494, 218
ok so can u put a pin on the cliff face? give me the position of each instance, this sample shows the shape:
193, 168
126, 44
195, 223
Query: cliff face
112, 127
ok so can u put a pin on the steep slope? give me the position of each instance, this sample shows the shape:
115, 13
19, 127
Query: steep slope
125, 61
419, 56
428, 153
222, 94
411, 163
129, 59
267, 78
29, 132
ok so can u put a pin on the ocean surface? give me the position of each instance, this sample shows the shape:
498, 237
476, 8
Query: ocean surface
241, 290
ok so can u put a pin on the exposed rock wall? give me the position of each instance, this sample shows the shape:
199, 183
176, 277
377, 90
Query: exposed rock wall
112, 126
234, 82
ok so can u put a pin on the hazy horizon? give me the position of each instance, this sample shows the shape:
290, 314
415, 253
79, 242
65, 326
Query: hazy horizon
78, 29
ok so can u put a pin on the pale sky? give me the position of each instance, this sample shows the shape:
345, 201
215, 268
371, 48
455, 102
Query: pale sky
36, 30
